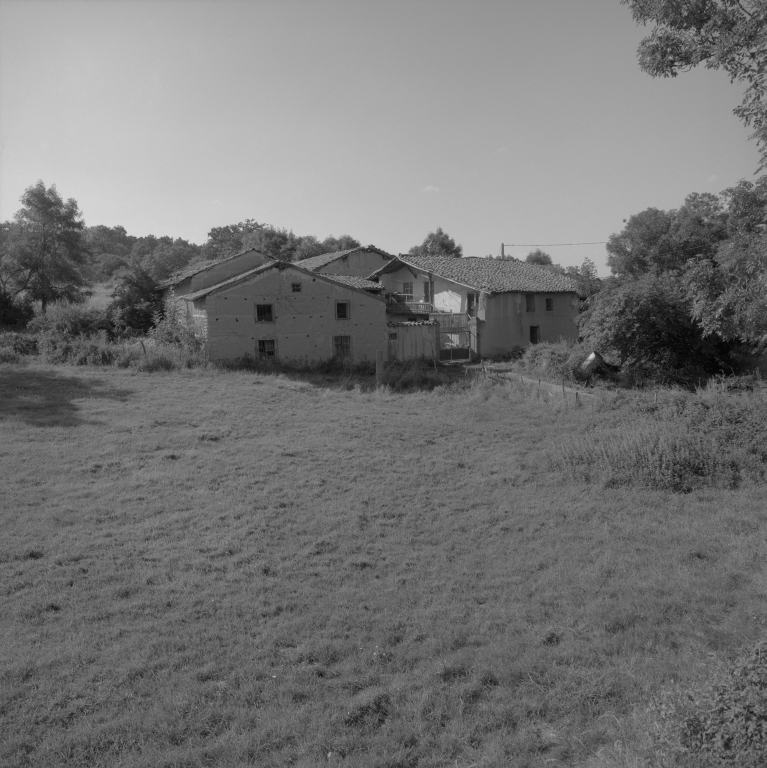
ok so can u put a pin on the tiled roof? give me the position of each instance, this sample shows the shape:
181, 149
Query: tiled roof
277, 265
485, 274
317, 262
355, 282
194, 269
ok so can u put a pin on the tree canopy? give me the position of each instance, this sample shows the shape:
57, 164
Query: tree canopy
44, 254
539, 257
437, 243
721, 34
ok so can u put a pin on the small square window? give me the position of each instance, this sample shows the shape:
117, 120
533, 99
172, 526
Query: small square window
549, 305
295, 287
342, 310
342, 346
264, 313
530, 302
266, 349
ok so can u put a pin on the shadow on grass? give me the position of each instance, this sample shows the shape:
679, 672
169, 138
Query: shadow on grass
45, 398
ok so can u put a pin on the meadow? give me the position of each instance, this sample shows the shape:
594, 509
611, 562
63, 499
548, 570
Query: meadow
223, 568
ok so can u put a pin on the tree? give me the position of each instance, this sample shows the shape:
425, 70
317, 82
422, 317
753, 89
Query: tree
230, 239
334, 244
722, 34
539, 258
110, 248
663, 241
437, 243
587, 282
44, 254
728, 292
647, 321
135, 302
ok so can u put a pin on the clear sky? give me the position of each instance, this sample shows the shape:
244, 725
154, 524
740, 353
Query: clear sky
515, 121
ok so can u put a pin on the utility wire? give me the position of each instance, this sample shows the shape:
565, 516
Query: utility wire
549, 245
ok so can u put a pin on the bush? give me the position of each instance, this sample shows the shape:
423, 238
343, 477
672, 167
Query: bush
559, 360
722, 724
15, 311
67, 321
711, 438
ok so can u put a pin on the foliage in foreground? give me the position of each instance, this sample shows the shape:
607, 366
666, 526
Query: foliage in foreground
679, 443
723, 723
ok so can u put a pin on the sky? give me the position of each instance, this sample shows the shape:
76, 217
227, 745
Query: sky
524, 122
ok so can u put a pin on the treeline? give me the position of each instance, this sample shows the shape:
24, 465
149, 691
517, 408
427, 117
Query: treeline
688, 293
113, 251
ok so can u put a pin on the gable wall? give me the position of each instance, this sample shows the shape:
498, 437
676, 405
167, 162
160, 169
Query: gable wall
507, 321
304, 323
448, 296
360, 263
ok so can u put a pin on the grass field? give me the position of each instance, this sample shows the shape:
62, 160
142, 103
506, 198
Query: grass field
225, 568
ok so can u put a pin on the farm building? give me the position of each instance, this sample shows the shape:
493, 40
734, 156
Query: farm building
281, 311
484, 306
360, 261
195, 277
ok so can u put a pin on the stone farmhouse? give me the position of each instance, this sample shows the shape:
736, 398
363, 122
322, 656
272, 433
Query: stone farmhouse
282, 311
484, 306
355, 303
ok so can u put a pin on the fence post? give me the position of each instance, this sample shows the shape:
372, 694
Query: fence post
563, 389
379, 368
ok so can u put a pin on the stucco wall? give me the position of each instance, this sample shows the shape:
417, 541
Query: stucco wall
360, 263
507, 321
304, 323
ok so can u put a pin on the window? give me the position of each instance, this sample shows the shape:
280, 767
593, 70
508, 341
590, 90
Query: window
530, 302
266, 349
427, 292
472, 300
393, 336
264, 313
342, 310
535, 335
407, 289
295, 287
342, 346
549, 305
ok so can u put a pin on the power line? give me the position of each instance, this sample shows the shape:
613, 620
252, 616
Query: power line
549, 245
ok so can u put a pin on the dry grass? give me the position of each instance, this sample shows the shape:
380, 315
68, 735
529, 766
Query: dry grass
227, 568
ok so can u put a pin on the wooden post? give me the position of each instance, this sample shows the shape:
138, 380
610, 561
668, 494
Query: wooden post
577, 402
379, 368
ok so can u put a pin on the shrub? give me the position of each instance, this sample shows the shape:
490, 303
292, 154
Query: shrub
66, 321
172, 329
21, 343
15, 311
722, 724
685, 440
559, 360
